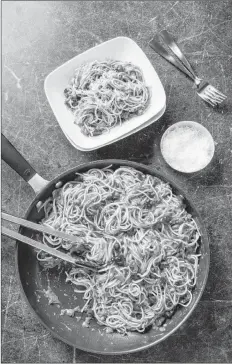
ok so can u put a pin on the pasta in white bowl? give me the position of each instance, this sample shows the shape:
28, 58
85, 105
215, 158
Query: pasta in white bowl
119, 49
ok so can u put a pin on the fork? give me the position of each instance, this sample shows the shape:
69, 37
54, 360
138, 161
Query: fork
206, 91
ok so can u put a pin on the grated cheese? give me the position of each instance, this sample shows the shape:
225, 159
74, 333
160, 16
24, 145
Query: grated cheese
187, 148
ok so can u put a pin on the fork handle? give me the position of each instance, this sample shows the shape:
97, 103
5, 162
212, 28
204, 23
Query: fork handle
169, 41
154, 44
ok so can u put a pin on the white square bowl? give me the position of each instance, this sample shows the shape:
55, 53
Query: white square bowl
120, 48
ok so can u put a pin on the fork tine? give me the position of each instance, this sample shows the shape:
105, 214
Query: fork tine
218, 92
209, 102
209, 95
213, 95
217, 99
221, 95
207, 99
209, 90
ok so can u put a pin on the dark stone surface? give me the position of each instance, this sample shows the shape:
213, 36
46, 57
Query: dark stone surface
38, 37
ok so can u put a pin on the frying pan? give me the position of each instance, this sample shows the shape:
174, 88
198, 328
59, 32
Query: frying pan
33, 278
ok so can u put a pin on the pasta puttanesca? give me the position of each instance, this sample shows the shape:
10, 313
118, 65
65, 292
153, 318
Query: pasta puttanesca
135, 226
103, 94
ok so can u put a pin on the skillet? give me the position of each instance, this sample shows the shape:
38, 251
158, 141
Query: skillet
33, 278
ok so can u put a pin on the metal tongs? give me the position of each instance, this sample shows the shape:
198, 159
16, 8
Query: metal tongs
36, 244
206, 91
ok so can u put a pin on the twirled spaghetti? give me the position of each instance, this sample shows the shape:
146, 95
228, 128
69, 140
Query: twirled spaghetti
103, 94
135, 226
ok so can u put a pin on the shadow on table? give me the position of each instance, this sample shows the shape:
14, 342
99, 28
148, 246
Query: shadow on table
139, 146
144, 147
210, 175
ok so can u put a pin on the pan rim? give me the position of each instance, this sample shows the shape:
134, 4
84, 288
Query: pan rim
150, 170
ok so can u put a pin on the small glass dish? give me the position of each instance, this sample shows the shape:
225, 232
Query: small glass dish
187, 146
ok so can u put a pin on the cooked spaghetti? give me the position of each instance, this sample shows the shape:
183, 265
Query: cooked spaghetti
103, 94
139, 230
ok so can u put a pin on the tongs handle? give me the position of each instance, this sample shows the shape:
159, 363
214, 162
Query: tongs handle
36, 244
38, 227
52, 251
169, 41
154, 44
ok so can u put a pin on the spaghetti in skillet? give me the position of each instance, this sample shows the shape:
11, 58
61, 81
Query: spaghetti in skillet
103, 94
135, 226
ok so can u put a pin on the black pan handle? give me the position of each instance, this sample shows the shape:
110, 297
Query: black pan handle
17, 162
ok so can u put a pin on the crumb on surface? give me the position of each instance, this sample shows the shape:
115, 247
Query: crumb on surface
51, 296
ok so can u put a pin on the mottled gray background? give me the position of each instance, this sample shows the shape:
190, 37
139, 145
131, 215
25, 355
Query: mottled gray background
38, 37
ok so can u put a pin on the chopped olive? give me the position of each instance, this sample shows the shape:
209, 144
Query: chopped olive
169, 314
78, 250
75, 102
134, 277
79, 179
90, 313
160, 321
148, 204
131, 232
115, 196
119, 68
184, 299
95, 133
116, 246
162, 281
152, 300
119, 260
